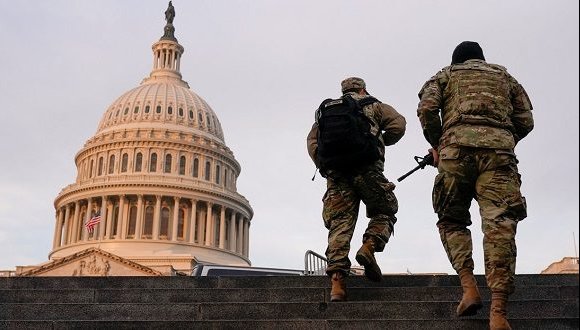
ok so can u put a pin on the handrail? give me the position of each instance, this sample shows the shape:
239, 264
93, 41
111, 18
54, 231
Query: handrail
314, 263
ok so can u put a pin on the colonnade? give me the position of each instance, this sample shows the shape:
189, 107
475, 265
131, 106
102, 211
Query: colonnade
153, 217
167, 55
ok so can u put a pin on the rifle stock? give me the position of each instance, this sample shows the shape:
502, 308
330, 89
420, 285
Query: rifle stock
422, 162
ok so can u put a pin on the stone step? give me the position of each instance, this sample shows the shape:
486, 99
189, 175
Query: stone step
276, 294
393, 310
275, 302
183, 282
370, 324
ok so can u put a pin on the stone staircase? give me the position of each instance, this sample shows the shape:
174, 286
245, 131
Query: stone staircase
274, 302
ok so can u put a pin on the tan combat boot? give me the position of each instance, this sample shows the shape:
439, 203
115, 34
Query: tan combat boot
498, 312
365, 256
338, 290
471, 300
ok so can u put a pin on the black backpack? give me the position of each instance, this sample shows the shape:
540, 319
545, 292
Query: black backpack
344, 140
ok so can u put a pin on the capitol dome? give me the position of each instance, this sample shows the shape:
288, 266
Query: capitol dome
156, 184
164, 99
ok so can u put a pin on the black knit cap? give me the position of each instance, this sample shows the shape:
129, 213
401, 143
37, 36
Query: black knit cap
467, 50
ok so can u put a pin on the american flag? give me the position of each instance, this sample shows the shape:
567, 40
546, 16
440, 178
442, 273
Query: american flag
90, 225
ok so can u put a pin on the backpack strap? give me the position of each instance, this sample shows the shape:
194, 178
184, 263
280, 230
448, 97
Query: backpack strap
363, 103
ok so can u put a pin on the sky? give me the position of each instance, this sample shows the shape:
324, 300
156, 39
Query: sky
264, 66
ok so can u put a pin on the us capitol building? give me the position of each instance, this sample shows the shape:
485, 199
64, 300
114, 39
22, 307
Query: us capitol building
162, 180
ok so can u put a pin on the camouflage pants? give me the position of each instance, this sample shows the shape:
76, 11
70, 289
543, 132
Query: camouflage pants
491, 178
340, 212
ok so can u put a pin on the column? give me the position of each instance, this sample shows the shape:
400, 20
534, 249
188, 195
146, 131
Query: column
157, 217
246, 237
232, 245
70, 225
110, 209
61, 228
104, 218
223, 228
87, 218
175, 218
240, 236
74, 237
193, 221
209, 225
201, 229
139, 222
122, 221
56, 236
66, 225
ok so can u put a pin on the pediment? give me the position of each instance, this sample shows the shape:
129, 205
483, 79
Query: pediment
91, 262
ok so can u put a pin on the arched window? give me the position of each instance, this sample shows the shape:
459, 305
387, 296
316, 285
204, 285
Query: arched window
138, 162
126, 111
167, 163
100, 167
190, 114
180, 112
207, 170
180, 224
124, 162
158, 109
147, 108
153, 163
148, 225
182, 165
164, 227
200, 117
111, 164
195, 170
169, 110
226, 174
91, 169
217, 174
136, 109
132, 221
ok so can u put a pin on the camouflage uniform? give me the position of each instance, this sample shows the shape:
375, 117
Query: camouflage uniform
484, 113
345, 191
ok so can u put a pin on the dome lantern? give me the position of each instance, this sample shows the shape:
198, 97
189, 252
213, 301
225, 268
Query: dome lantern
167, 54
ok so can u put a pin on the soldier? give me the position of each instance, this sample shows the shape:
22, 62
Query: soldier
347, 187
473, 114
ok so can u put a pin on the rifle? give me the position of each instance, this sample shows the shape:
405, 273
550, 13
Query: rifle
422, 161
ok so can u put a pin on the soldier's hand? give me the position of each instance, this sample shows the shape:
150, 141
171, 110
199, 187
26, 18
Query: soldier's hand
435, 154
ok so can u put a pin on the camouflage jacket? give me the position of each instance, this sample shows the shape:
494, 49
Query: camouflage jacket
384, 117
481, 105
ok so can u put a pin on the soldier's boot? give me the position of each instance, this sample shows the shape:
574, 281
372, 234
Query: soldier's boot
365, 256
471, 300
498, 312
338, 290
